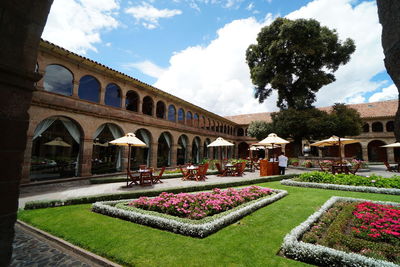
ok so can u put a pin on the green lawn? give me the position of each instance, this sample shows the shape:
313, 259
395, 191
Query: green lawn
252, 241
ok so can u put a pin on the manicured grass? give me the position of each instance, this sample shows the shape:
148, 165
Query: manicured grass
252, 241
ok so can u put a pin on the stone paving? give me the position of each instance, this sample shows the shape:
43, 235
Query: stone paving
30, 250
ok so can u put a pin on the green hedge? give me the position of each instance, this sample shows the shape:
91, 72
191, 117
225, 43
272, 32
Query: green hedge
350, 179
128, 195
106, 180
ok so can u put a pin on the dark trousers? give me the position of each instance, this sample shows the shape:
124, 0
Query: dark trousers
282, 170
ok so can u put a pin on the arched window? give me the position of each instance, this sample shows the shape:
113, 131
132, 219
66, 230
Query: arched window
182, 150
196, 150
171, 113
189, 118
89, 88
390, 126
147, 107
240, 132
58, 79
196, 120
105, 157
142, 154
132, 101
113, 95
203, 122
377, 127
181, 116
160, 110
365, 128
164, 150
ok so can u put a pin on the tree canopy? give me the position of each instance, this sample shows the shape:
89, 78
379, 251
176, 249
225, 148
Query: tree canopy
259, 129
295, 58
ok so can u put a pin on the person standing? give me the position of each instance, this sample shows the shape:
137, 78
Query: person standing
282, 163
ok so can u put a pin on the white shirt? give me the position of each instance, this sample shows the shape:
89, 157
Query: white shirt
282, 159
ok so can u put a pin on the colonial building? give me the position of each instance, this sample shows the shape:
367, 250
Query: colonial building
80, 105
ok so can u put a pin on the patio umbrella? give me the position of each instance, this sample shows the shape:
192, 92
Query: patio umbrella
220, 142
58, 142
128, 140
272, 140
335, 141
392, 145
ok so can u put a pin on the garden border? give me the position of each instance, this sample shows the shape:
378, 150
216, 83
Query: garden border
191, 229
364, 189
321, 255
39, 204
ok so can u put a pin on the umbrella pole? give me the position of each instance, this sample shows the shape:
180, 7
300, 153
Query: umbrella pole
340, 156
129, 165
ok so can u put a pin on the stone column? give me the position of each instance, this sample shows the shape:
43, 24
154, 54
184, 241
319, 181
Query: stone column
123, 100
174, 154
201, 153
86, 157
140, 105
75, 89
365, 152
102, 96
189, 153
390, 154
21, 26
236, 151
26, 166
153, 155
124, 158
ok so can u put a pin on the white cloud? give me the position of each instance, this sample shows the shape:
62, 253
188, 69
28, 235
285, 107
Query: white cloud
149, 15
250, 6
147, 67
216, 77
359, 22
77, 25
387, 93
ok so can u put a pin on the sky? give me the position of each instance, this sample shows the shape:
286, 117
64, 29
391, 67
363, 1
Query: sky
195, 49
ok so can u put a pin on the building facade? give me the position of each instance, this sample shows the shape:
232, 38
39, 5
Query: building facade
80, 105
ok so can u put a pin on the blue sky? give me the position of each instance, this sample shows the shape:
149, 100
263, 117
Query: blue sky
195, 49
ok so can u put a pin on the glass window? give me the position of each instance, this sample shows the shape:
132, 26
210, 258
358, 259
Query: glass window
181, 116
171, 113
189, 118
390, 126
113, 95
89, 88
377, 127
132, 100
147, 107
160, 110
58, 79
196, 120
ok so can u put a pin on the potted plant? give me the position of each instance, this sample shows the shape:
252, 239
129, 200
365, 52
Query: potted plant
294, 162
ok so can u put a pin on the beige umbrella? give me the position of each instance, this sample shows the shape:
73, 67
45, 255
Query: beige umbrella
128, 140
272, 139
335, 141
220, 142
58, 142
392, 145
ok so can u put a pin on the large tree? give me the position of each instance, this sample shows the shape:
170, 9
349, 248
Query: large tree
259, 129
314, 124
295, 58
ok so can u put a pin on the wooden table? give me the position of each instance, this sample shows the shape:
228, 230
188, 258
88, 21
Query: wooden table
230, 169
191, 172
145, 177
341, 168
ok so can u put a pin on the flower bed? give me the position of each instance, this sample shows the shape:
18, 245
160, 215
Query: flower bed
347, 182
336, 239
197, 215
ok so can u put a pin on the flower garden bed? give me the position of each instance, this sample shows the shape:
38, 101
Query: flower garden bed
197, 215
348, 232
347, 182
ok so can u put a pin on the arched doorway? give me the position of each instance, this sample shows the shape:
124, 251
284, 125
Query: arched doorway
55, 149
353, 150
106, 158
206, 149
376, 153
289, 150
243, 150
164, 150
141, 155
182, 150
196, 150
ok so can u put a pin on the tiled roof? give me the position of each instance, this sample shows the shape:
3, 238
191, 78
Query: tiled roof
380, 109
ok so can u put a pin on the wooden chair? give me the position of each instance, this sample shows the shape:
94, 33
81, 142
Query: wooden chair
220, 170
157, 178
202, 172
324, 168
240, 168
142, 167
134, 178
146, 178
355, 168
184, 173
388, 167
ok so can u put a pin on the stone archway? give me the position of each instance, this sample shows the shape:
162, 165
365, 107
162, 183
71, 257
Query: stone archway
243, 150
376, 153
353, 150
